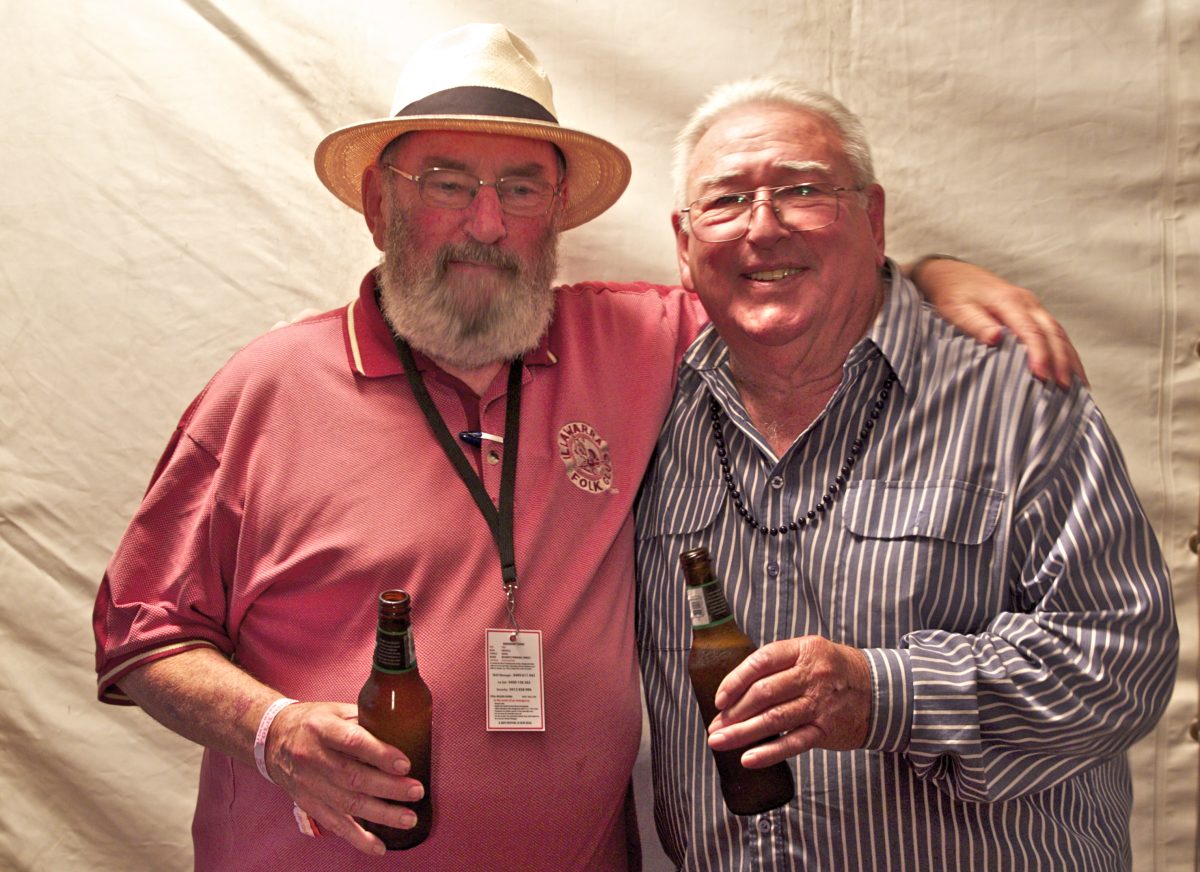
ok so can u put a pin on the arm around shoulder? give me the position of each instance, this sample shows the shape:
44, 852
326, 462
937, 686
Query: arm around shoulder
983, 305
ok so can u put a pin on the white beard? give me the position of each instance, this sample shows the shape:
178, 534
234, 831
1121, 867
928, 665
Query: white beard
466, 322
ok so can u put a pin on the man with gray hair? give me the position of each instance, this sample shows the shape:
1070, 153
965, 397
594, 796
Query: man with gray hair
964, 616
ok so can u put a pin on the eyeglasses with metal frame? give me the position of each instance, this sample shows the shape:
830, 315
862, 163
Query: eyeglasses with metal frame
442, 188
800, 207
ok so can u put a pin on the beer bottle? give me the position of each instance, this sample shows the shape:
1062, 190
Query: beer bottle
395, 705
718, 645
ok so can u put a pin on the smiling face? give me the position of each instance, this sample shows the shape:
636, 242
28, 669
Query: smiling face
777, 288
470, 286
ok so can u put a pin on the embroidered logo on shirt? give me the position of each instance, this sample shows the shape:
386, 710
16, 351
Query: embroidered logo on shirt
585, 454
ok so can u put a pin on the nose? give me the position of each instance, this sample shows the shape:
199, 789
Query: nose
765, 227
485, 223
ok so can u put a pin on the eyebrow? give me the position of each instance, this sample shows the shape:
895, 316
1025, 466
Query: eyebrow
806, 166
799, 166
526, 170
441, 162
533, 168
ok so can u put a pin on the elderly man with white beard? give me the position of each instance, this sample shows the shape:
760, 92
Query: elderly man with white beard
376, 446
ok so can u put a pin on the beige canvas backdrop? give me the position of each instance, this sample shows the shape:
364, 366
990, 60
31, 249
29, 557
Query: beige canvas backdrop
159, 210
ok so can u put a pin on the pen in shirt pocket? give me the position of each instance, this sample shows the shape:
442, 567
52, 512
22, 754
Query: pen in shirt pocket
478, 437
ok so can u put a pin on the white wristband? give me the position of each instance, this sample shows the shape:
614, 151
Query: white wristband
264, 727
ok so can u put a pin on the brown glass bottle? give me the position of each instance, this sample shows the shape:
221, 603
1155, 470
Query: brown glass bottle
395, 705
718, 645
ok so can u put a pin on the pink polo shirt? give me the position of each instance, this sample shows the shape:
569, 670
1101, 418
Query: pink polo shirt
304, 480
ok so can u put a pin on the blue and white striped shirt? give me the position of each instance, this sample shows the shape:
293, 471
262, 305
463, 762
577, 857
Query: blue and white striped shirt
990, 556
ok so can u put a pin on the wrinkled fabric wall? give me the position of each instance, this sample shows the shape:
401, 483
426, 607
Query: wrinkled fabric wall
159, 209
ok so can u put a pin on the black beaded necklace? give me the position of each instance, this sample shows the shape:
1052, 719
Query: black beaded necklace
810, 518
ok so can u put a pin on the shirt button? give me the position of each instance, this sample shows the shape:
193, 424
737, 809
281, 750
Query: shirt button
493, 457
764, 825
777, 482
772, 569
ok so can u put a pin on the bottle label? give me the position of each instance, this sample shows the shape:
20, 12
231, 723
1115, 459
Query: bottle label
394, 652
707, 606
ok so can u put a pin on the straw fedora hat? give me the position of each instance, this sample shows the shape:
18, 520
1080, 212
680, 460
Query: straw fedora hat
478, 78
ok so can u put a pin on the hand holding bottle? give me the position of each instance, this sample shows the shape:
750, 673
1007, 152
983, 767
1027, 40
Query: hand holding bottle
336, 771
796, 694
718, 645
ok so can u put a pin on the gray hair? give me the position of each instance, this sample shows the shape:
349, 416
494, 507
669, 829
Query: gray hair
770, 91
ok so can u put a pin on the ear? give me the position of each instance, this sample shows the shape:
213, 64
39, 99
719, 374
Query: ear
372, 203
562, 200
682, 241
875, 210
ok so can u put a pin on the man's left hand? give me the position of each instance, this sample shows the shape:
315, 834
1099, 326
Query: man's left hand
983, 305
798, 694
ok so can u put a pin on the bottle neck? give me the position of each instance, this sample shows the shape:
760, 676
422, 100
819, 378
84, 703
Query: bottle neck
707, 605
394, 652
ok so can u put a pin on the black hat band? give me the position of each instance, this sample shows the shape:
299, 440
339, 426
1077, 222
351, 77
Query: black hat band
478, 100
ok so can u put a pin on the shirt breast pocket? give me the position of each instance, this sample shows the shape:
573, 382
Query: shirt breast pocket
671, 521
918, 556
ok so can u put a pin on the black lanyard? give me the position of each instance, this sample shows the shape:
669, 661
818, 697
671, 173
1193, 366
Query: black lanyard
500, 522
